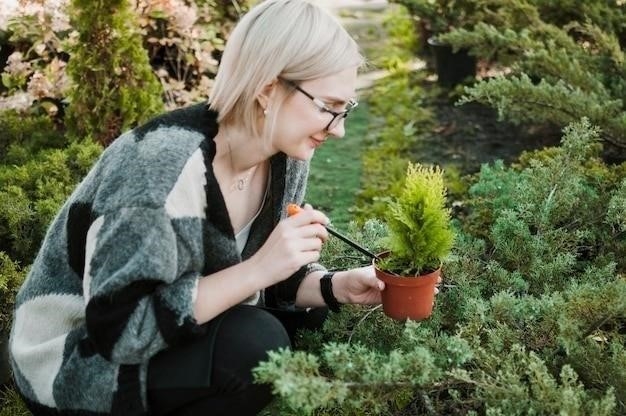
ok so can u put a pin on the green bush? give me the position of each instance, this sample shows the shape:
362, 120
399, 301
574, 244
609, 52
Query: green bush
609, 15
113, 86
550, 219
11, 277
556, 73
22, 135
32, 192
440, 16
533, 322
12, 404
183, 42
371, 234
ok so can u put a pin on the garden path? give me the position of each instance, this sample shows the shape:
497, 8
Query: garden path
465, 136
363, 20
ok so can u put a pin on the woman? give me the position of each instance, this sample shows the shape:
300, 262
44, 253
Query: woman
172, 269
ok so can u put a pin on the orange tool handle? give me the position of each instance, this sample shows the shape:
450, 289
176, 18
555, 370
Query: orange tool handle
293, 209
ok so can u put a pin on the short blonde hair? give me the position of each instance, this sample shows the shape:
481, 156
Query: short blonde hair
289, 39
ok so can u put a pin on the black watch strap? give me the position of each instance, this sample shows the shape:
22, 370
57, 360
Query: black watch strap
326, 287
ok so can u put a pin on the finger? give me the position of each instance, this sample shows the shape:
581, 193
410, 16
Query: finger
311, 244
436, 290
309, 216
379, 284
314, 231
374, 282
322, 233
311, 256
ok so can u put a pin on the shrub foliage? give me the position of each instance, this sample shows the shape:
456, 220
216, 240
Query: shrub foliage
533, 324
113, 86
420, 235
558, 70
533, 320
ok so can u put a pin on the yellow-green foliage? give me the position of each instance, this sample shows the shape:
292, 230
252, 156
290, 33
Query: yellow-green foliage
11, 277
32, 192
420, 234
114, 87
401, 40
11, 404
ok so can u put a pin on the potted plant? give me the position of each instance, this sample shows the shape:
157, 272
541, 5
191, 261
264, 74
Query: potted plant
438, 17
419, 237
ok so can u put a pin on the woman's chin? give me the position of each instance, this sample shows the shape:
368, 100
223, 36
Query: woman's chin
302, 154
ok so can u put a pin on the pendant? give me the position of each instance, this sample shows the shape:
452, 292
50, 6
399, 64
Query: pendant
241, 184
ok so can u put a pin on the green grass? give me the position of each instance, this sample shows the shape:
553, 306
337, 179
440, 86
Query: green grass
11, 404
337, 168
335, 176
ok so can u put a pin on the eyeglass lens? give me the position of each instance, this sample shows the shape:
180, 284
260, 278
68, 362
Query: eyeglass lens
335, 121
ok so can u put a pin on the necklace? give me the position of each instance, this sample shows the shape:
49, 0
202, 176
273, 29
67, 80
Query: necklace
241, 183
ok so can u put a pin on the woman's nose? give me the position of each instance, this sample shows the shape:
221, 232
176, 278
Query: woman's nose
338, 131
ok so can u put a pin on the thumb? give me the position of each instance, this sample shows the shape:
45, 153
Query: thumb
371, 280
376, 283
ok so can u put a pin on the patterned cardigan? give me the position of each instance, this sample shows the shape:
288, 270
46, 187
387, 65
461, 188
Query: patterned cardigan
116, 277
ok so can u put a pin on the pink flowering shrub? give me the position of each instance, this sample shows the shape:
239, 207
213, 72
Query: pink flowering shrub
183, 38
34, 72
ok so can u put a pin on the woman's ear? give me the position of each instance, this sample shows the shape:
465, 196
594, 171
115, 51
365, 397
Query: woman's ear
266, 95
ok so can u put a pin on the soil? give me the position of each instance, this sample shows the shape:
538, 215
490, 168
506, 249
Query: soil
469, 135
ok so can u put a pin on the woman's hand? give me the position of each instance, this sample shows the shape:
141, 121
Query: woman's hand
296, 241
361, 286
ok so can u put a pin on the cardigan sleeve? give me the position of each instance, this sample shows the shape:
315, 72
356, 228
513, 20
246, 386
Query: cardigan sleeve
284, 293
140, 299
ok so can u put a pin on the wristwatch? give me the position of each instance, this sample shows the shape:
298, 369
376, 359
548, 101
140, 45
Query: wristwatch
326, 287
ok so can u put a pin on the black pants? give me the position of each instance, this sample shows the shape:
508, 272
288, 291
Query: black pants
213, 375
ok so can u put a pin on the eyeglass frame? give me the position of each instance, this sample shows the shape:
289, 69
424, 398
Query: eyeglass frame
321, 105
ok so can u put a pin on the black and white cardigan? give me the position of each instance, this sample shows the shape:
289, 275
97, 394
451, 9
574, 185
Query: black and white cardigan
116, 277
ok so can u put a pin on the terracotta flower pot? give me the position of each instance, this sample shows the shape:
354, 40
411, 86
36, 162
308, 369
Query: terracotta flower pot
408, 297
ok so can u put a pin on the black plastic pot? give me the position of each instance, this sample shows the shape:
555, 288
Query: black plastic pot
452, 67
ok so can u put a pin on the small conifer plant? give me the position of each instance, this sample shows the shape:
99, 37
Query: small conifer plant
420, 232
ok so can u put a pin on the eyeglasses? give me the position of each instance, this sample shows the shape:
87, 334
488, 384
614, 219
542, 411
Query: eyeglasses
337, 115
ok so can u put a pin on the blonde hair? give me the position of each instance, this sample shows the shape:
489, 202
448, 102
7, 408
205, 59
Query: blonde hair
287, 39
